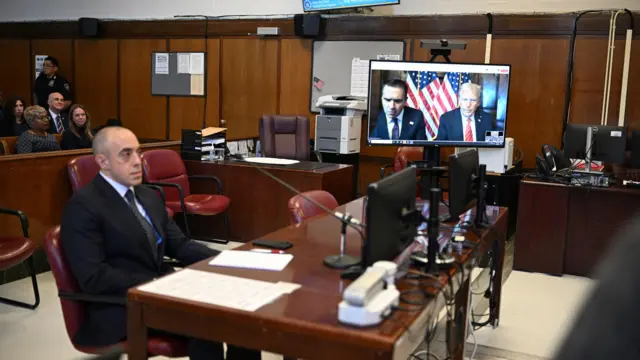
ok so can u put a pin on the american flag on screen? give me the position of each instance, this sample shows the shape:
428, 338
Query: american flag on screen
434, 97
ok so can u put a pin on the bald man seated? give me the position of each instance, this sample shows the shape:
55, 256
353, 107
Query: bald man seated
115, 234
58, 119
466, 123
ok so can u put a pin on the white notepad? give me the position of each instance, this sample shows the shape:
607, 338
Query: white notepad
217, 289
270, 161
252, 260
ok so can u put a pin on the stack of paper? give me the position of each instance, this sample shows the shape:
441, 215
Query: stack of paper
217, 289
205, 144
359, 77
252, 260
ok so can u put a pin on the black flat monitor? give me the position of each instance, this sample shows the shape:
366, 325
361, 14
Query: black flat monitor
387, 233
634, 147
608, 143
463, 170
437, 104
322, 5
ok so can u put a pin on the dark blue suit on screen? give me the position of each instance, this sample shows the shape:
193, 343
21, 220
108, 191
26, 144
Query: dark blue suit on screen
412, 126
450, 127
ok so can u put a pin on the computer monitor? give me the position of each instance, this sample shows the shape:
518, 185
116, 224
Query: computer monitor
608, 143
321, 5
463, 170
388, 233
634, 147
437, 104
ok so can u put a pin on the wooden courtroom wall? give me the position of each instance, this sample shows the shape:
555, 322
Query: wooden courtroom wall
248, 75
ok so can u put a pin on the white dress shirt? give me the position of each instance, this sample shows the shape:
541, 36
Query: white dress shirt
122, 190
473, 126
390, 124
53, 118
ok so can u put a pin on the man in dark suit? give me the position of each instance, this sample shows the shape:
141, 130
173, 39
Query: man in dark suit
466, 123
398, 121
58, 119
115, 234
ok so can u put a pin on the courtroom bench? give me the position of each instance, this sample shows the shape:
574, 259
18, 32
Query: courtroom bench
9, 144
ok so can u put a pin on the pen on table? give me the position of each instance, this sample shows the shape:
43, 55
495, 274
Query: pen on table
268, 251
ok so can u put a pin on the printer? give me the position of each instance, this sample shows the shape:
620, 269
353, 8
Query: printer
339, 123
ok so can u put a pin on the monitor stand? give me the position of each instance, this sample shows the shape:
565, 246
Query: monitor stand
481, 220
591, 130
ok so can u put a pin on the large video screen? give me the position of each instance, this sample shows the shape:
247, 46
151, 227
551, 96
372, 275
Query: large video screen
319, 5
443, 104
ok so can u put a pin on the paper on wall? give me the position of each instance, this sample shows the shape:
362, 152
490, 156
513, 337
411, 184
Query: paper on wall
197, 63
197, 84
388, 57
359, 77
184, 64
40, 64
162, 63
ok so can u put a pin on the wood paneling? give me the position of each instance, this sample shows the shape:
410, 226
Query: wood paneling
259, 205
541, 229
213, 82
96, 74
588, 82
62, 50
295, 79
249, 79
185, 112
536, 91
15, 78
144, 114
432, 26
38, 184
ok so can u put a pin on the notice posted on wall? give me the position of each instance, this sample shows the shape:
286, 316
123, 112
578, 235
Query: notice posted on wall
184, 63
197, 63
40, 64
162, 64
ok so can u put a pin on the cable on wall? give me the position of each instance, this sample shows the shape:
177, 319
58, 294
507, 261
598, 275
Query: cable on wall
567, 92
625, 68
567, 102
206, 58
487, 49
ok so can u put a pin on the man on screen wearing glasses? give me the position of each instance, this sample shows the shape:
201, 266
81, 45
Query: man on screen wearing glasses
398, 121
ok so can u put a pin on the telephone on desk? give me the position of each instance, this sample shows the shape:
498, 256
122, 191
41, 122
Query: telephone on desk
371, 298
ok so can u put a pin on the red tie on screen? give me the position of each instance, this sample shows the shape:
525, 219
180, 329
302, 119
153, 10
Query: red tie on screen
468, 133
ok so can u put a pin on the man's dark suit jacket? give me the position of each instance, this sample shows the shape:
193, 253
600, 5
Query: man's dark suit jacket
412, 126
451, 125
52, 123
109, 252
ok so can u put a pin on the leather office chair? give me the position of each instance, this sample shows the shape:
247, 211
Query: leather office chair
300, 209
73, 303
84, 168
285, 136
404, 155
165, 168
4, 147
16, 249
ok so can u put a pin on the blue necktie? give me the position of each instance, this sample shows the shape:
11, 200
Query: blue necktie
146, 225
395, 132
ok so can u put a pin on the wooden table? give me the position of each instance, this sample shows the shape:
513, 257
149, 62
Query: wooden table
304, 324
258, 203
565, 229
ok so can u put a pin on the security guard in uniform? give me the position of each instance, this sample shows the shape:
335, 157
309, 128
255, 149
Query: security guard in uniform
49, 82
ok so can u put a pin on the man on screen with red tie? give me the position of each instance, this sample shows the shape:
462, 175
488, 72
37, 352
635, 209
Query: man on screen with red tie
58, 119
466, 123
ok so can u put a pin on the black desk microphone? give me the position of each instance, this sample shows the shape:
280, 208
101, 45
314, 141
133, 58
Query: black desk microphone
341, 260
